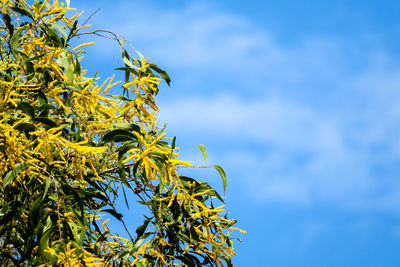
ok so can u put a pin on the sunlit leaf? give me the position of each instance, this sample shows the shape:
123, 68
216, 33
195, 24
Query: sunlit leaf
140, 241
222, 174
11, 175
203, 152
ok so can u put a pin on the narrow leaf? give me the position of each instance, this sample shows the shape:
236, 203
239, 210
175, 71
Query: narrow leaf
46, 189
126, 200
163, 73
142, 58
140, 230
125, 58
7, 21
11, 175
222, 174
71, 33
128, 69
203, 151
63, 33
15, 40
139, 242
117, 215
173, 143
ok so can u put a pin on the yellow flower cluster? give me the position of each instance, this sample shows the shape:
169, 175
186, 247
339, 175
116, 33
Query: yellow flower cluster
72, 256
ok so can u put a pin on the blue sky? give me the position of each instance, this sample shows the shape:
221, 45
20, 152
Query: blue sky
297, 100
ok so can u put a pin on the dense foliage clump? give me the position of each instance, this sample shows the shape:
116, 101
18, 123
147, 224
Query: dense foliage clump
69, 150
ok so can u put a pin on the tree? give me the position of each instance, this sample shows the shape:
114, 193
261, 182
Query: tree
69, 149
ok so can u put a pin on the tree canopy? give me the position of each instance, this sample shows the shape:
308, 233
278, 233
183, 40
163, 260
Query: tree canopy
70, 151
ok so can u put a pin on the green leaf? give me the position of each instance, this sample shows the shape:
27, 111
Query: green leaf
139, 242
122, 138
52, 34
77, 69
124, 180
63, 32
173, 143
44, 240
127, 126
128, 69
108, 137
46, 189
163, 73
214, 193
122, 171
126, 200
22, 10
228, 262
42, 98
101, 196
7, 21
203, 151
125, 58
14, 41
26, 108
136, 168
222, 174
64, 60
142, 58
46, 121
11, 175
184, 238
30, 70
175, 209
73, 29
117, 215
123, 149
142, 228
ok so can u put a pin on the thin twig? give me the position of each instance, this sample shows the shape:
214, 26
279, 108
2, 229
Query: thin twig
115, 36
114, 169
90, 17
201, 166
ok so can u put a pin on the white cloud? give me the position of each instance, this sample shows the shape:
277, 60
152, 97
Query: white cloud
265, 120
